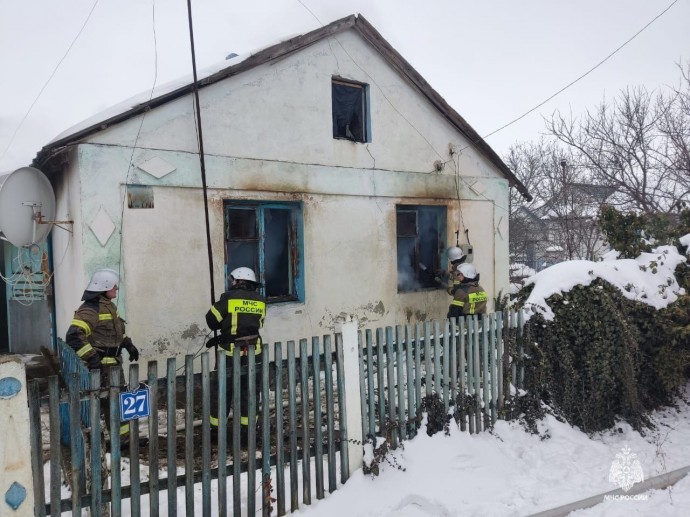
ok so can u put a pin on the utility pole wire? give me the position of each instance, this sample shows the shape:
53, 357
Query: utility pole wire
21, 123
202, 162
581, 77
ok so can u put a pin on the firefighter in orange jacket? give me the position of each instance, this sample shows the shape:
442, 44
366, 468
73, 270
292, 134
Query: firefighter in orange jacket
97, 334
239, 314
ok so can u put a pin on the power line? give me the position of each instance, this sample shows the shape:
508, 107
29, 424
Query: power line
136, 139
21, 123
311, 12
581, 77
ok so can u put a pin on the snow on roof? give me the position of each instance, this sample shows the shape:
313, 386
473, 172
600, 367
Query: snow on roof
161, 90
146, 96
649, 278
518, 269
139, 104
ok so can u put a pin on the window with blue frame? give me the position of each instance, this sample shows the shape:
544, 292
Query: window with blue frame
420, 232
267, 237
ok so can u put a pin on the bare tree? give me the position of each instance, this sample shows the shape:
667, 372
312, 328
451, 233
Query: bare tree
675, 126
560, 222
627, 145
632, 153
526, 228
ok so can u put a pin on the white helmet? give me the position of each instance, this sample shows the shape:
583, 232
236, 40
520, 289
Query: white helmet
468, 271
103, 280
455, 253
243, 273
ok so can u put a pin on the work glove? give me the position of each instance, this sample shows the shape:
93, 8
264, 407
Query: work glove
214, 341
131, 349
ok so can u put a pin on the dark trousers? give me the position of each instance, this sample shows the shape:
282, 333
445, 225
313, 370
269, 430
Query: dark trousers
106, 376
245, 390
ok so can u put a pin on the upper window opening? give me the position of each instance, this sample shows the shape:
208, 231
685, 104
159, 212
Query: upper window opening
350, 118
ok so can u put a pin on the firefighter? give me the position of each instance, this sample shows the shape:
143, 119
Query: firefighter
239, 314
97, 335
455, 258
469, 297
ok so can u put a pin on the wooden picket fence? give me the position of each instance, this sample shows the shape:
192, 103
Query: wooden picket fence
302, 388
299, 443
465, 362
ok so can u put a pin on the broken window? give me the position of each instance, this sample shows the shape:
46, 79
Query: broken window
266, 237
350, 114
420, 232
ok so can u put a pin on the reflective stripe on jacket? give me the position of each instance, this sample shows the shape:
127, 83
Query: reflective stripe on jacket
96, 329
239, 313
469, 299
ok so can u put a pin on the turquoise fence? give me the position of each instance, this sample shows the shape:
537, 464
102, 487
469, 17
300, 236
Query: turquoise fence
319, 399
466, 362
302, 421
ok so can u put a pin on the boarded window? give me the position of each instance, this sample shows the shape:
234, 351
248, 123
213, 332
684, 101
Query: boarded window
266, 237
350, 114
421, 234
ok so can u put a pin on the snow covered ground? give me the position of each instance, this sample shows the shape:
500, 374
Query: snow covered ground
507, 472
512, 473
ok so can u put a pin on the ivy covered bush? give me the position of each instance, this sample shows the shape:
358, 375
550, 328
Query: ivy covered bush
604, 357
631, 234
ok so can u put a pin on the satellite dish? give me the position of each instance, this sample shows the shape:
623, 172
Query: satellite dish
26, 200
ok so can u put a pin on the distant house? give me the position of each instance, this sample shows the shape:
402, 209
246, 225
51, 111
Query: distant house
332, 168
565, 227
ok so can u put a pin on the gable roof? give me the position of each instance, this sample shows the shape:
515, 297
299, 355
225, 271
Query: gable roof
355, 22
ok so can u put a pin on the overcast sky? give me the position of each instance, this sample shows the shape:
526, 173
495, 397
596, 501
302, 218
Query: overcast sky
492, 61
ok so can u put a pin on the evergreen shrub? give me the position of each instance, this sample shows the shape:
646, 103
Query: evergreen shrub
604, 357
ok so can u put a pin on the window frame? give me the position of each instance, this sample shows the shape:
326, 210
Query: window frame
439, 261
366, 120
295, 245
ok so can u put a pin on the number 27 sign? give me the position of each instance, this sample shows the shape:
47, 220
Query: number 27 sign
134, 404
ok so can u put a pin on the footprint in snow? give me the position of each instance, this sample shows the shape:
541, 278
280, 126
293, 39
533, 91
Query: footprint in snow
417, 505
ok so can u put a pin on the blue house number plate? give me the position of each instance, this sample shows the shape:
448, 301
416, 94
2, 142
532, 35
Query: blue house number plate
134, 404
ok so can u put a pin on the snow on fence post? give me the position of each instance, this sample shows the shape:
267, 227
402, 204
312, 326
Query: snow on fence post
16, 486
352, 396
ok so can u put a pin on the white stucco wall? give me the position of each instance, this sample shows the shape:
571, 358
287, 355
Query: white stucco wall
268, 135
282, 111
70, 275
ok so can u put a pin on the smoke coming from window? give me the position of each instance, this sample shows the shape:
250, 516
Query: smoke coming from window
420, 243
